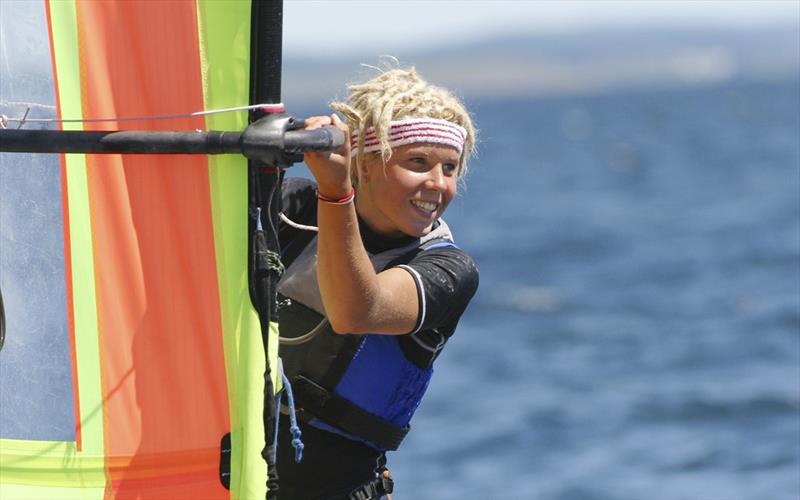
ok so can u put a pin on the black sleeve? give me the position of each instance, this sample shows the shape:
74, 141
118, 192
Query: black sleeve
447, 279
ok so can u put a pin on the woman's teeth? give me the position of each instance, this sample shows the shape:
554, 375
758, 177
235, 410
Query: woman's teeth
425, 205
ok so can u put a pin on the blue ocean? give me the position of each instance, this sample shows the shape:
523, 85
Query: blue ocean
636, 334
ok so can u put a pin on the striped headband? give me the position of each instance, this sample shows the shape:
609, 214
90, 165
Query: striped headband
411, 130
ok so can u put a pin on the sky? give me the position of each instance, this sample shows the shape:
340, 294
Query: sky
380, 26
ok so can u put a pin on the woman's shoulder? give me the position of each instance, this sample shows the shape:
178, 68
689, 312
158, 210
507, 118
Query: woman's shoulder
446, 262
447, 279
440, 248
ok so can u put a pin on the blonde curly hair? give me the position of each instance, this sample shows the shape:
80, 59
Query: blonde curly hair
396, 94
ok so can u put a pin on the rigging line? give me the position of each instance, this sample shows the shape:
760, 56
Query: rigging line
24, 117
296, 225
267, 108
270, 201
302, 339
28, 104
2, 322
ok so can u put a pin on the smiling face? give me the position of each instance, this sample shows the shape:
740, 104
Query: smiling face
413, 189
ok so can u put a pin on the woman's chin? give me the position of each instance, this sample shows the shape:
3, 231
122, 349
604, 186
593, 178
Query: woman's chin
420, 232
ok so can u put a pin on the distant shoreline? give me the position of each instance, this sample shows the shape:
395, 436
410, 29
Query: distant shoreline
573, 64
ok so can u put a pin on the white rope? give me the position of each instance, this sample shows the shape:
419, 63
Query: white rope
296, 225
4, 119
27, 104
302, 339
269, 108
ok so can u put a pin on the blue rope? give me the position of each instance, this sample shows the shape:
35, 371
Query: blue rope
277, 427
297, 444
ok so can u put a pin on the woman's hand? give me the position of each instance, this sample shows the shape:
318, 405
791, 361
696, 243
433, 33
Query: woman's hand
330, 169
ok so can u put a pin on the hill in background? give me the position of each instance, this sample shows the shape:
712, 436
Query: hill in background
570, 64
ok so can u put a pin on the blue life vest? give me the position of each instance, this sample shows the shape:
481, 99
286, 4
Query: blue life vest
360, 386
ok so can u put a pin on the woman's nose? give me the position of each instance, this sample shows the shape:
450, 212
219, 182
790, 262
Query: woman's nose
436, 178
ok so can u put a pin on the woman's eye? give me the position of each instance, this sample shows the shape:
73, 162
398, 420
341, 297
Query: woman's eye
418, 163
450, 168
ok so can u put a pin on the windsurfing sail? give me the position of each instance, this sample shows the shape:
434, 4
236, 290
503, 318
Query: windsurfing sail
134, 363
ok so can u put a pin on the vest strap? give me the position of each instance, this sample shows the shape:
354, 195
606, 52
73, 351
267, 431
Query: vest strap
314, 401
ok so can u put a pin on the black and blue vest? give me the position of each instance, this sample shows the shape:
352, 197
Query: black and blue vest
360, 386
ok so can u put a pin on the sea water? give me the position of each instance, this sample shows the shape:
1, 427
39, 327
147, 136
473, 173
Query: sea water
636, 333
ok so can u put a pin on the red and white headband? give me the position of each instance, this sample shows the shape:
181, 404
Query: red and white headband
413, 130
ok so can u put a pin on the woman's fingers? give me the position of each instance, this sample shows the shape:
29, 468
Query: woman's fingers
331, 169
337, 122
316, 122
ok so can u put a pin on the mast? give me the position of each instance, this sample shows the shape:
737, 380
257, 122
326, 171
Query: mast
264, 195
266, 51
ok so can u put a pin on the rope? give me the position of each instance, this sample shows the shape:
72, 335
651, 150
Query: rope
277, 418
296, 225
273, 258
269, 108
274, 263
305, 337
322, 324
28, 104
297, 444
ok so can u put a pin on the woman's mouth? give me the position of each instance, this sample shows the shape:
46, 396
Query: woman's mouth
425, 206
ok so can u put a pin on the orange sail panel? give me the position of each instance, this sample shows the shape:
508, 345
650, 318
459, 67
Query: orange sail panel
158, 301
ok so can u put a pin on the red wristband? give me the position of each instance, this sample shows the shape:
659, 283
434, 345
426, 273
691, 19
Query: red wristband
338, 201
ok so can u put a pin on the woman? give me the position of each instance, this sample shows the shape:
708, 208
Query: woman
370, 299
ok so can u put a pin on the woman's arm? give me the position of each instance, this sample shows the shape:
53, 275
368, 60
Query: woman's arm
356, 298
